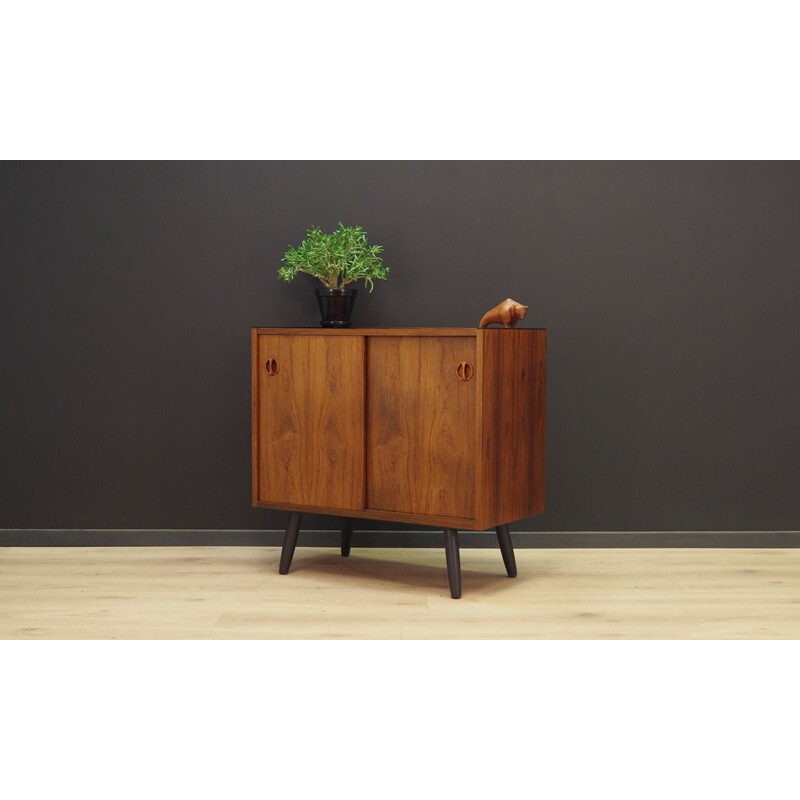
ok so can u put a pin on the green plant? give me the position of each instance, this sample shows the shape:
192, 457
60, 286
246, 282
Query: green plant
336, 258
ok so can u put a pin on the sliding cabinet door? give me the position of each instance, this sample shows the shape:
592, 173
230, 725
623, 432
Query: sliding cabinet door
309, 426
421, 423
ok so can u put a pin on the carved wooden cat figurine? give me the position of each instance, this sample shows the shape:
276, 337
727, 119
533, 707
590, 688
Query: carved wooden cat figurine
508, 314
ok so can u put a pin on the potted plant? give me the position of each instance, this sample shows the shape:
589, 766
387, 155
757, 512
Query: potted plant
337, 259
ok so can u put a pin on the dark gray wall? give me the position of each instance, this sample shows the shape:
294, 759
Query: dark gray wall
670, 291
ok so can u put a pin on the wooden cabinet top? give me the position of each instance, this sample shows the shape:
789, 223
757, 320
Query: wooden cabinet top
387, 331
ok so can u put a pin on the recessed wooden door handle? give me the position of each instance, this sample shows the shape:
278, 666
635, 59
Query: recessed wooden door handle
464, 371
272, 366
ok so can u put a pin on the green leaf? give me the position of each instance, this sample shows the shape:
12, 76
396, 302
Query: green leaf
336, 258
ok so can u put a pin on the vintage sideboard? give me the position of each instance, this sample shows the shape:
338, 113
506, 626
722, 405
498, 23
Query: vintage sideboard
432, 426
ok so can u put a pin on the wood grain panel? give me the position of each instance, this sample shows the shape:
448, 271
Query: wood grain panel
421, 443
310, 421
512, 425
254, 381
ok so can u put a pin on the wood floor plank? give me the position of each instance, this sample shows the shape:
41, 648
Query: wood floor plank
237, 593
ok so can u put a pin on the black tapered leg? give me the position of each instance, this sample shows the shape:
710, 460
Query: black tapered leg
453, 561
507, 549
347, 535
289, 541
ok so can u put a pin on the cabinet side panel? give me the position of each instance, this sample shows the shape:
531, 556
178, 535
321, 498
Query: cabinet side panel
254, 412
512, 415
310, 421
421, 426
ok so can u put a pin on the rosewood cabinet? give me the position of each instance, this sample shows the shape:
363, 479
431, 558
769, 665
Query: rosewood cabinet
430, 426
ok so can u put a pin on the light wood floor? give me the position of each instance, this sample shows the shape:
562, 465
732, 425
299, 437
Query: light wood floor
236, 592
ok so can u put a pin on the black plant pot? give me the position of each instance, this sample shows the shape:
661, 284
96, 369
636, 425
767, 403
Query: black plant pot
336, 306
